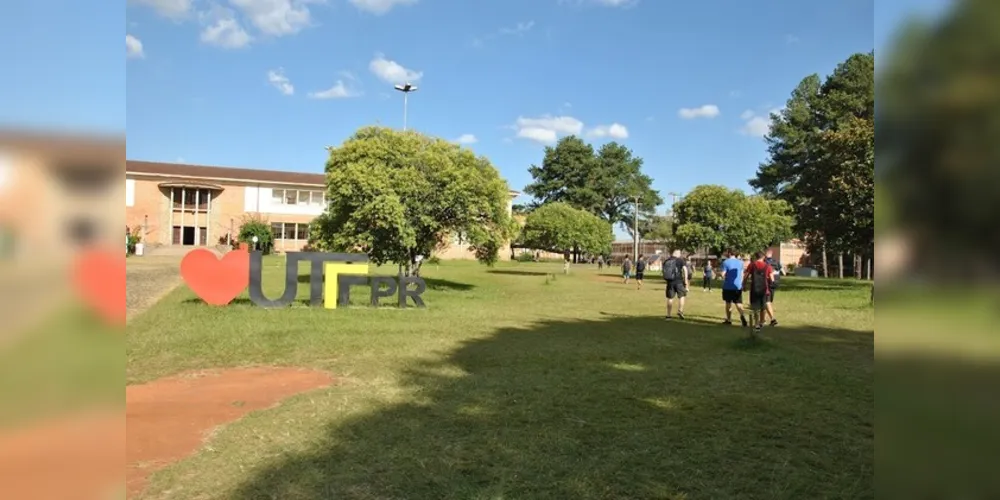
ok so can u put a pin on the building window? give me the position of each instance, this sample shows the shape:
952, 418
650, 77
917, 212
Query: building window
290, 231
293, 197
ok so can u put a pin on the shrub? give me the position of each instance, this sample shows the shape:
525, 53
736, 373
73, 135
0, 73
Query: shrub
254, 225
525, 257
133, 237
434, 260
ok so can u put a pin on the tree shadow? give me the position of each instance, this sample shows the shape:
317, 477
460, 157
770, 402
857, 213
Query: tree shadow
623, 407
517, 272
821, 284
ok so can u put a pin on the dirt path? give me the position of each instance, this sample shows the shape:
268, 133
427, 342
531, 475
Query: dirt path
147, 280
168, 419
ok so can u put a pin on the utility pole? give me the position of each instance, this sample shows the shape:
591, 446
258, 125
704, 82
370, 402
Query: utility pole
635, 232
405, 89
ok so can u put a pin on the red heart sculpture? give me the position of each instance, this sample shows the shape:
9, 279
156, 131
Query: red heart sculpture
217, 281
99, 278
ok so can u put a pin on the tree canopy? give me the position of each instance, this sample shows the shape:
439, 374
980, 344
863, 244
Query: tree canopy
821, 150
396, 195
604, 183
559, 228
717, 218
939, 103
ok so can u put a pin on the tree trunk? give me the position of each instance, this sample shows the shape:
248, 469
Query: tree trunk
870, 278
858, 265
826, 263
840, 265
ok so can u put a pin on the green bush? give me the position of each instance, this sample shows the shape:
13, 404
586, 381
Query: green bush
133, 238
253, 225
525, 257
434, 260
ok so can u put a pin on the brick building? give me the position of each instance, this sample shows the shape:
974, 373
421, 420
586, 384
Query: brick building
194, 205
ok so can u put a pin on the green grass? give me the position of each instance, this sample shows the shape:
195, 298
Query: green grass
520, 382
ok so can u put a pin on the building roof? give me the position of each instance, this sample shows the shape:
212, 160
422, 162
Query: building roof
177, 171
184, 171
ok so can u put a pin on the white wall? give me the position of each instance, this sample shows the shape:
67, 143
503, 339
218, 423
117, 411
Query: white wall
264, 195
129, 192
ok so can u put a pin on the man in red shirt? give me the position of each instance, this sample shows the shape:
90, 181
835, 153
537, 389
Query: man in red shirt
759, 276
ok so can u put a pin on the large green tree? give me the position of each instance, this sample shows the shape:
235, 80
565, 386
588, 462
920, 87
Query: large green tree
821, 158
397, 195
717, 219
939, 120
605, 183
560, 228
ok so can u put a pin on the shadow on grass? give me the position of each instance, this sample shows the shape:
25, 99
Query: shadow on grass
517, 272
797, 284
625, 407
436, 284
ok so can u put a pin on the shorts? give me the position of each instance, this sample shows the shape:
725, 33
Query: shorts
758, 302
676, 289
639, 275
626, 274
732, 296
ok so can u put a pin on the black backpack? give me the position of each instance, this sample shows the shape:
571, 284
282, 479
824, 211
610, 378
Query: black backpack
758, 280
670, 271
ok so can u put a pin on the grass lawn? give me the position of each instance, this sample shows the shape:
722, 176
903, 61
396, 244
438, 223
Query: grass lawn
512, 385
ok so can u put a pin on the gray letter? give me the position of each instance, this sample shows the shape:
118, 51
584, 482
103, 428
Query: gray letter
405, 292
344, 282
377, 292
256, 290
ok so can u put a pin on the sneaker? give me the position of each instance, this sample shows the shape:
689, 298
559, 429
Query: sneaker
727, 322
757, 329
774, 322
680, 316
743, 319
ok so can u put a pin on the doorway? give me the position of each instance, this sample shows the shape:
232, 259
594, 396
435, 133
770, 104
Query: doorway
189, 235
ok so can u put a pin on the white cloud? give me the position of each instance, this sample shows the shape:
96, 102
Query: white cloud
547, 129
392, 72
223, 30
379, 7
339, 90
614, 131
133, 48
278, 80
466, 139
756, 125
518, 29
706, 111
276, 17
173, 9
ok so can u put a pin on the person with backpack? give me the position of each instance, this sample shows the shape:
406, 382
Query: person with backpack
675, 273
640, 270
759, 275
627, 269
771, 261
732, 287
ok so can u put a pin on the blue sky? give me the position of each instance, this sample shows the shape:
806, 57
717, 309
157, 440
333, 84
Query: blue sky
270, 83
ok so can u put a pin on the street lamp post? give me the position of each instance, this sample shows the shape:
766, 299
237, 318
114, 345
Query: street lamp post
405, 88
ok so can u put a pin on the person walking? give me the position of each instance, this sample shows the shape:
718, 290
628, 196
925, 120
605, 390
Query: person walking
675, 273
600, 262
627, 269
759, 276
709, 275
640, 271
776, 266
732, 287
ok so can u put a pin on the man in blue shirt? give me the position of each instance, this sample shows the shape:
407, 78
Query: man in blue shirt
732, 287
